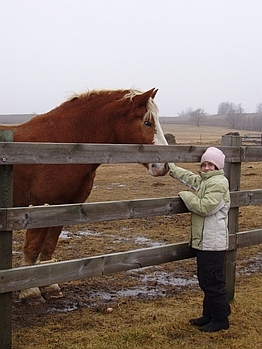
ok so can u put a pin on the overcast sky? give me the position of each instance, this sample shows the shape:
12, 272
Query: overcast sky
198, 53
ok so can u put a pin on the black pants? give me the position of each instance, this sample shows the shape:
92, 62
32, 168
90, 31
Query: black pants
212, 282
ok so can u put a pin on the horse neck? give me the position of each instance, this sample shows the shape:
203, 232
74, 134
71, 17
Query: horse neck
67, 126
93, 119
92, 126
89, 119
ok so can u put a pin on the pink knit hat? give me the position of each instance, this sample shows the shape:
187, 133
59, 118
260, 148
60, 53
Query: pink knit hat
214, 155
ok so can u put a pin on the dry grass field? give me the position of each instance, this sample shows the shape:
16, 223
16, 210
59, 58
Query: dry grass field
151, 306
191, 134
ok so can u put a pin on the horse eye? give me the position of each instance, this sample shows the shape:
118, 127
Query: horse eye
148, 123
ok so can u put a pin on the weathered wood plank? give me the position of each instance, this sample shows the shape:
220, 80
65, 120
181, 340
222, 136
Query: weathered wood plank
246, 198
249, 238
83, 153
40, 275
233, 173
56, 215
251, 153
6, 200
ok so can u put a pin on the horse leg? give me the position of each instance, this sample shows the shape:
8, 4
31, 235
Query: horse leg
46, 254
33, 242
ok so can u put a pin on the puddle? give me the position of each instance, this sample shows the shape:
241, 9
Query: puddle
136, 239
65, 235
113, 186
101, 297
110, 186
152, 285
165, 279
141, 240
66, 309
254, 265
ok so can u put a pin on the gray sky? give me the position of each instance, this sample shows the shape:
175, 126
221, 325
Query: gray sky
198, 53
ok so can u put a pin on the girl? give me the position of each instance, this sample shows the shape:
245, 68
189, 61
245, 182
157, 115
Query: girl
209, 234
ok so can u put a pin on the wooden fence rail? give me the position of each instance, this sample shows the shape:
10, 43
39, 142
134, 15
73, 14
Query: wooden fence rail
40, 275
42, 216
77, 153
253, 138
56, 215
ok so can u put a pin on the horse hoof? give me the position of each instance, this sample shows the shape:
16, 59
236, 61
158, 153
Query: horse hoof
31, 296
51, 292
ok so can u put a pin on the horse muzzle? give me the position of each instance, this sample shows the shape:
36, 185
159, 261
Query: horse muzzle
158, 169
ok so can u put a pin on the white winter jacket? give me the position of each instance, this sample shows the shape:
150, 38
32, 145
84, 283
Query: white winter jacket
209, 206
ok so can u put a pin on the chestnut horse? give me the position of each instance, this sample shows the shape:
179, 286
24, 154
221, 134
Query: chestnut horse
106, 116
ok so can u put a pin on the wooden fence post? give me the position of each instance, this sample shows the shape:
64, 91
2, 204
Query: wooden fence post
233, 174
6, 200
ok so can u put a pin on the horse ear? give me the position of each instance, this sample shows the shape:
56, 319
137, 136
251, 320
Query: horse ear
142, 99
154, 93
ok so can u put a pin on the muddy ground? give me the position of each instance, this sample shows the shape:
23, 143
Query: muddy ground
126, 182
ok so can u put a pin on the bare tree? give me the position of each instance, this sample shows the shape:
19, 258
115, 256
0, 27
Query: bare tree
197, 116
258, 118
259, 108
185, 114
234, 115
225, 107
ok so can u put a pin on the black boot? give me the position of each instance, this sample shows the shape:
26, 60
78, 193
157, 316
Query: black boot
201, 321
215, 326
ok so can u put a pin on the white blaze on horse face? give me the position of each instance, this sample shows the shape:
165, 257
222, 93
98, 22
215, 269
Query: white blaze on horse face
159, 138
158, 169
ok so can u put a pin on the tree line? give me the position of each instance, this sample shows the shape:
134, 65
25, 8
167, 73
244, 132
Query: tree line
234, 116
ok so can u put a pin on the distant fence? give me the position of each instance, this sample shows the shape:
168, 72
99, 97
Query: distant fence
253, 138
11, 218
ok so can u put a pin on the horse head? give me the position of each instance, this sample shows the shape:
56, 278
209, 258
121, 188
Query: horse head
143, 125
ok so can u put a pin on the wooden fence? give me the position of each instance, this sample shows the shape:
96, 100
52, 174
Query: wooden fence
11, 153
255, 138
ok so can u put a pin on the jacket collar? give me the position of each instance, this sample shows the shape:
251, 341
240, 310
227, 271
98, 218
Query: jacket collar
206, 175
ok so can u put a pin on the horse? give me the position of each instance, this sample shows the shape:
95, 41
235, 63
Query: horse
96, 116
